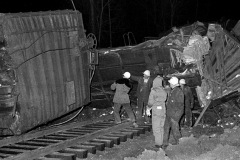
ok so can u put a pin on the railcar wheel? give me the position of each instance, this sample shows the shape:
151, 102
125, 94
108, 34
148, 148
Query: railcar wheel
92, 41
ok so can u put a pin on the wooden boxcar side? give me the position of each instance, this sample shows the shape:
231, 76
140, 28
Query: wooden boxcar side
52, 75
222, 67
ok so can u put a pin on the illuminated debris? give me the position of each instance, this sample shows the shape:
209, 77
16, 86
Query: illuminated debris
150, 155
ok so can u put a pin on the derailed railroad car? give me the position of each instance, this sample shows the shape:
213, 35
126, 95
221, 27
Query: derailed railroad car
44, 68
205, 54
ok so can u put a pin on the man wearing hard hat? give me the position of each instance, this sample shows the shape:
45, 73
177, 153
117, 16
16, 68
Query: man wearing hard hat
121, 99
143, 91
188, 102
156, 103
175, 109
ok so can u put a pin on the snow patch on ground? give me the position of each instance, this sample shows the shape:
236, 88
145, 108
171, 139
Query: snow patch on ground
150, 155
214, 147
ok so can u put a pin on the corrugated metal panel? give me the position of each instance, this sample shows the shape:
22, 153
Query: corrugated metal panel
43, 46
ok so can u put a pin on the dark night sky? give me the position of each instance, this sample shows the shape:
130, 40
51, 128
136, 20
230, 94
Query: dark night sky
135, 19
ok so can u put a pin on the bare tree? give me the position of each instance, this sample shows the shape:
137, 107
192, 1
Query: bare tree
110, 23
92, 16
174, 4
107, 18
100, 22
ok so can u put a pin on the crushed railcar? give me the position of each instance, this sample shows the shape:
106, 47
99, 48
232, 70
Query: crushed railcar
44, 72
205, 54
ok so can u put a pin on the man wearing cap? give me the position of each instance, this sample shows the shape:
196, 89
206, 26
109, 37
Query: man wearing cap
121, 98
175, 109
156, 103
143, 91
188, 102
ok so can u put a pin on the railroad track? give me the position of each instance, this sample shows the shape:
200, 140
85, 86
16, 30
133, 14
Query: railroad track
69, 142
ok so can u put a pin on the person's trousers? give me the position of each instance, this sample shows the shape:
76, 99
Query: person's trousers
128, 109
171, 124
142, 109
188, 115
158, 120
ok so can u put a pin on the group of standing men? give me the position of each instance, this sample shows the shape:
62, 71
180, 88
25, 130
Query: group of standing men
167, 104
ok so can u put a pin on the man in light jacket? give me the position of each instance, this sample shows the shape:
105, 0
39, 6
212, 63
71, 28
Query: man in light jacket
156, 103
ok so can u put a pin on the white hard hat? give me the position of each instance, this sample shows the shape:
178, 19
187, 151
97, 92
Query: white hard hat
173, 81
126, 75
182, 81
147, 73
3, 48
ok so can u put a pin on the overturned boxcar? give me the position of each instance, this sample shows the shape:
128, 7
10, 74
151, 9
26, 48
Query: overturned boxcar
44, 70
205, 54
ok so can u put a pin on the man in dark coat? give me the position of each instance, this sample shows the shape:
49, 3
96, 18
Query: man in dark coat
188, 103
143, 91
175, 109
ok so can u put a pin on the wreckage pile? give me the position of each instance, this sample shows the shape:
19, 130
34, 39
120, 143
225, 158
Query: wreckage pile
205, 55
213, 53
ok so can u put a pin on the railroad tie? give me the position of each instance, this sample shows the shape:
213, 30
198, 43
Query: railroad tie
63, 135
45, 158
67, 135
106, 124
42, 141
116, 140
94, 127
99, 146
141, 130
62, 156
29, 143
129, 134
135, 132
146, 127
148, 124
12, 151
16, 146
86, 128
122, 136
91, 149
108, 143
73, 133
80, 153
83, 130
5, 155
76, 132
55, 137
103, 124
47, 140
